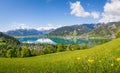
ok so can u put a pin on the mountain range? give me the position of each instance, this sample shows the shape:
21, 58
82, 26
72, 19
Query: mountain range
80, 29
93, 30
27, 32
108, 30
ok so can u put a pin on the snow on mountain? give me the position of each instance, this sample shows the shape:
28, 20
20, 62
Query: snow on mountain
46, 28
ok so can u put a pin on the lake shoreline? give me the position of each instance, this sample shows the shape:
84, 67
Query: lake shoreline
60, 40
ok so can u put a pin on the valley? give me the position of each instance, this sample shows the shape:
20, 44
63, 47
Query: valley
60, 36
103, 58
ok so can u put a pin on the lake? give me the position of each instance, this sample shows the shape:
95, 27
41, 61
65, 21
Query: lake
58, 40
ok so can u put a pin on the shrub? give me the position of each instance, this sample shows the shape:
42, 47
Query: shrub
18, 52
60, 48
25, 52
9, 53
117, 35
75, 47
84, 46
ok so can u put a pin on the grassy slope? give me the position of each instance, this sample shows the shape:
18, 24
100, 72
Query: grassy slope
100, 59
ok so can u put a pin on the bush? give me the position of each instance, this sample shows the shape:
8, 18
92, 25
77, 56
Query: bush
18, 52
117, 35
75, 47
60, 48
25, 52
9, 53
84, 46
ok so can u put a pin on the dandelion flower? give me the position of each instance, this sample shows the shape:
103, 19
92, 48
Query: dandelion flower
90, 60
78, 58
118, 59
112, 65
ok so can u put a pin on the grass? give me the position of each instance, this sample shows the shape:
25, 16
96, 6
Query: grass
100, 59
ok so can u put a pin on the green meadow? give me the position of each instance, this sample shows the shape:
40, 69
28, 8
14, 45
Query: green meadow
103, 58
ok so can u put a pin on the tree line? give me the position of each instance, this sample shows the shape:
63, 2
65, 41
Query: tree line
28, 50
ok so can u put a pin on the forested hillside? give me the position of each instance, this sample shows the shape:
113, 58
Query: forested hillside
8, 39
108, 30
69, 30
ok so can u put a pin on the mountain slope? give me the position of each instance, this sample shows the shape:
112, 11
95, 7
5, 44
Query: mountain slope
100, 59
69, 30
108, 30
8, 39
93, 30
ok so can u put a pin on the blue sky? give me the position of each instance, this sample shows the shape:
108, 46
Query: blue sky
50, 13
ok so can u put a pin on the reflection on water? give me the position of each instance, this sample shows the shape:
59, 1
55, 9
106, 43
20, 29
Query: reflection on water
48, 41
37, 40
75, 40
58, 40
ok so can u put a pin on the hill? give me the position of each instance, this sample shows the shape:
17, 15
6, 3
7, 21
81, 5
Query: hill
100, 59
93, 30
108, 30
8, 40
69, 30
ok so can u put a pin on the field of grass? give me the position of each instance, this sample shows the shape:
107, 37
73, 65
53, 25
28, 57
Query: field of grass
100, 59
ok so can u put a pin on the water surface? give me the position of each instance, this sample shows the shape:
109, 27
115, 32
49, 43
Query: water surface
58, 40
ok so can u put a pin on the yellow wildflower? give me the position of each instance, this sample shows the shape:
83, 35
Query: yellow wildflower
78, 58
118, 59
112, 65
90, 60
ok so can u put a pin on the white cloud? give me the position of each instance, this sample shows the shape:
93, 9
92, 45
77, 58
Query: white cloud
45, 28
78, 10
95, 15
25, 26
111, 11
20, 26
48, 27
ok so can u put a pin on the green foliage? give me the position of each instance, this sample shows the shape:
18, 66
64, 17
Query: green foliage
33, 52
74, 33
103, 41
43, 49
117, 34
73, 47
25, 52
106, 31
84, 46
8, 39
18, 52
10, 53
46, 50
10, 47
69, 30
104, 58
60, 48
